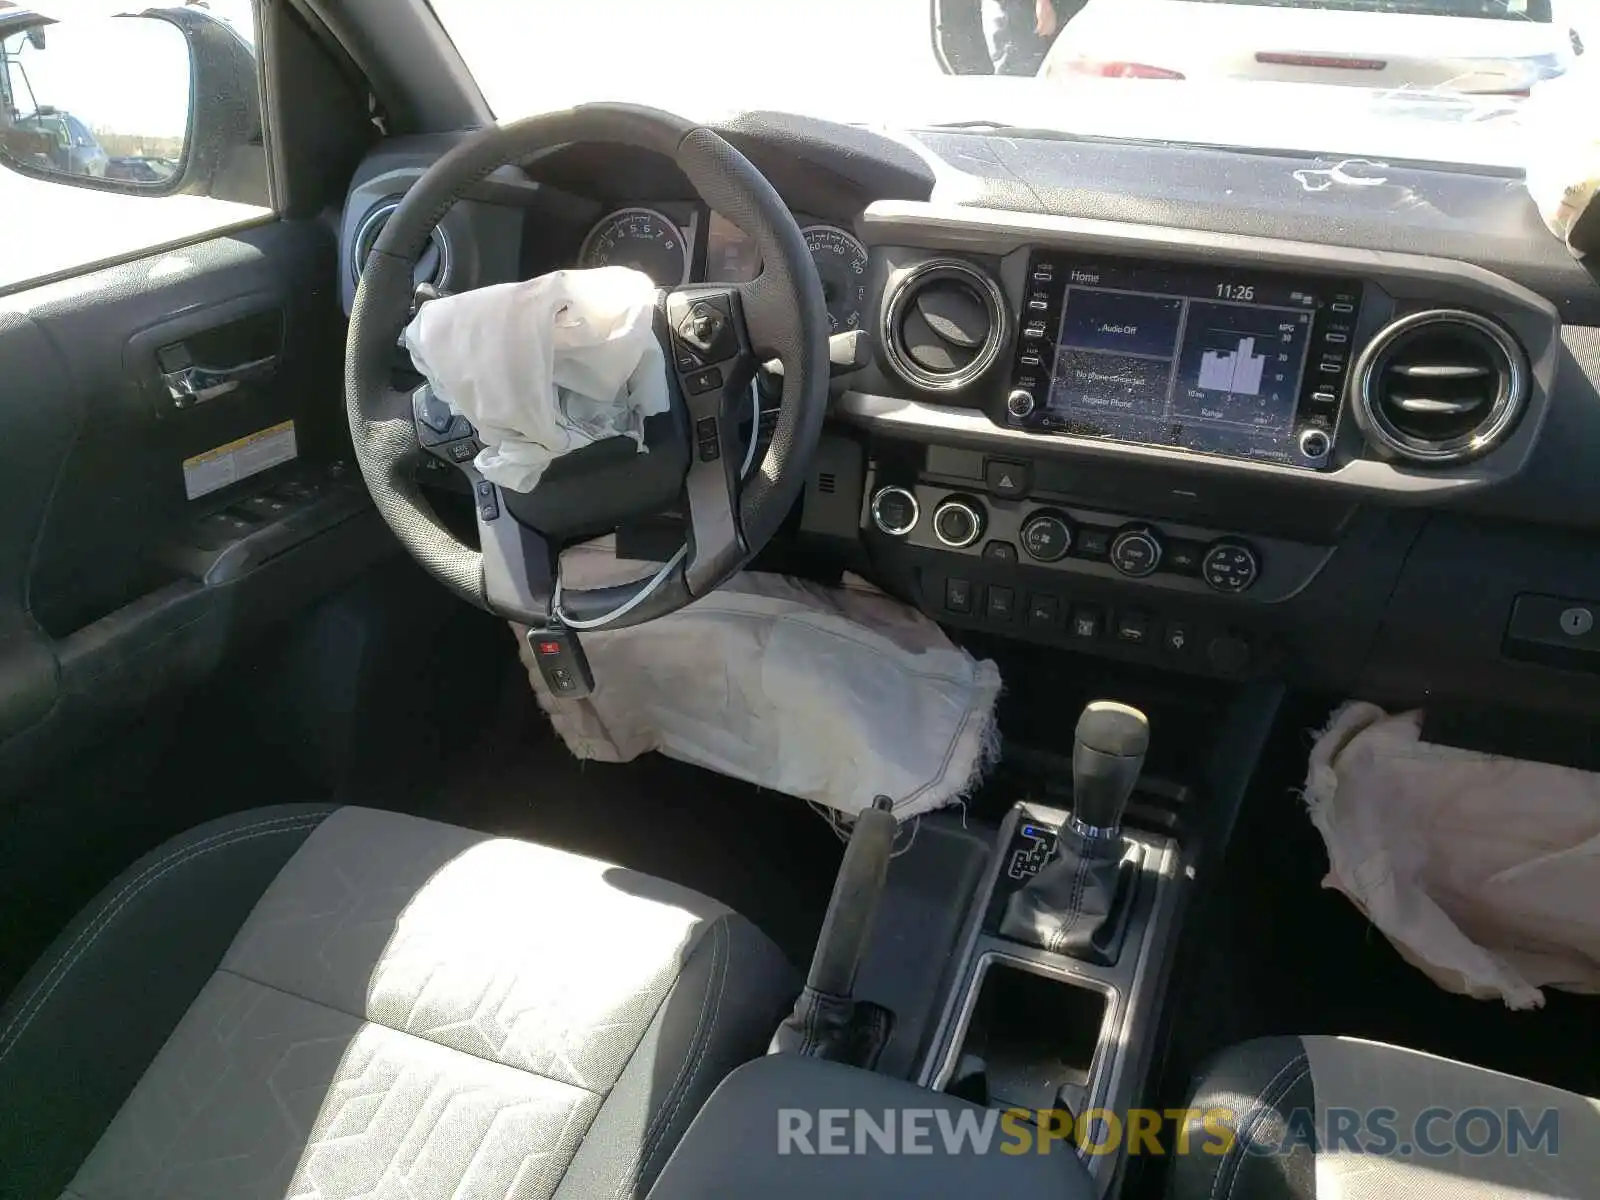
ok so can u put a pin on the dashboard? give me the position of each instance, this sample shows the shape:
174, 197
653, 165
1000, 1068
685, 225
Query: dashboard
1340, 441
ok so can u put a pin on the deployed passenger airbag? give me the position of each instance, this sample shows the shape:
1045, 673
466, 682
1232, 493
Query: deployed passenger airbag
1480, 869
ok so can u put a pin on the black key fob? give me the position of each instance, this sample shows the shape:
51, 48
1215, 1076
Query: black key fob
561, 661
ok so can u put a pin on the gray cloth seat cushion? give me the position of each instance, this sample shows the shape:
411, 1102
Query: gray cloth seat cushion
1332, 1118
376, 1005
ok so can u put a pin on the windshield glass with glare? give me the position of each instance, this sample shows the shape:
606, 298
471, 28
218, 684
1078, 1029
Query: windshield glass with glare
1310, 74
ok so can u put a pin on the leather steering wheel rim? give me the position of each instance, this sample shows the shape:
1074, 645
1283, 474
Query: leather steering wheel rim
782, 315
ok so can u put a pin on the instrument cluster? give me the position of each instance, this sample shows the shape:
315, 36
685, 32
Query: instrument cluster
680, 243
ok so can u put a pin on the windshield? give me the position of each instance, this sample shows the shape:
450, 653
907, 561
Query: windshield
1443, 80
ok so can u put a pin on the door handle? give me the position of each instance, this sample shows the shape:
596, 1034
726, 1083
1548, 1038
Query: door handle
193, 385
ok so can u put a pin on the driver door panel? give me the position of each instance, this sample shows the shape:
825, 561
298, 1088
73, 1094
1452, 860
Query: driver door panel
130, 565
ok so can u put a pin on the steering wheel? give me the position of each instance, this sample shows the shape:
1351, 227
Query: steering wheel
713, 335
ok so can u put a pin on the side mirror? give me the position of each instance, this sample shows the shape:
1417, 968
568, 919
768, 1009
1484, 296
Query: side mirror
156, 103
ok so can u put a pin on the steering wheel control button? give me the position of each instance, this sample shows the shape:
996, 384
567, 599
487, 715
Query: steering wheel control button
1019, 403
1133, 627
958, 595
701, 382
1000, 552
431, 411
1136, 552
488, 501
1001, 604
1046, 537
707, 330
958, 523
1088, 622
1042, 612
705, 433
894, 511
1006, 479
1230, 567
462, 452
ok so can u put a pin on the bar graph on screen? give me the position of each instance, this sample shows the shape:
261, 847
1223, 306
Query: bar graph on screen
1237, 370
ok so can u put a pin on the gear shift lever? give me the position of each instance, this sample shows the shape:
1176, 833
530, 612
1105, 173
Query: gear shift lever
1070, 906
1111, 742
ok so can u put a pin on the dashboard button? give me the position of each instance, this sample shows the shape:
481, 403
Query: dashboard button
1003, 552
1177, 639
1230, 566
1094, 543
1088, 620
894, 511
958, 522
1136, 552
1046, 537
958, 595
1133, 626
1043, 611
1314, 444
1184, 557
1001, 604
1005, 478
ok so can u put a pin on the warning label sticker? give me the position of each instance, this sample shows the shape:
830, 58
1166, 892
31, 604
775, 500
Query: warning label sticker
250, 455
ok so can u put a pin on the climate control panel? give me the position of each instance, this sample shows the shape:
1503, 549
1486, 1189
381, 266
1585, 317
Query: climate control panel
1057, 537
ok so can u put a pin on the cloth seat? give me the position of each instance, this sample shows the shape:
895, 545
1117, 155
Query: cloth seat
1332, 1118
315, 1002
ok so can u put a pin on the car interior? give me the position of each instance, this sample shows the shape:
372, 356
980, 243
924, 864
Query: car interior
303, 896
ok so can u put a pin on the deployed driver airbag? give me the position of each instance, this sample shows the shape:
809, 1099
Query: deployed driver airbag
546, 366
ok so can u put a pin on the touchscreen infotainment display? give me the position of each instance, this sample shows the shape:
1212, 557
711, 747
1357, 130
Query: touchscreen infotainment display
1201, 359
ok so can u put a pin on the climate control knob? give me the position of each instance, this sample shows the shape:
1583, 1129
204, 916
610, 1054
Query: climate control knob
1046, 537
958, 522
1230, 566
1136, 552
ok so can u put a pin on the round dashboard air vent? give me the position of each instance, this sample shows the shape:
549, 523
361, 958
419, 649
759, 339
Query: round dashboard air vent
433, 264
943, 324
1440, 386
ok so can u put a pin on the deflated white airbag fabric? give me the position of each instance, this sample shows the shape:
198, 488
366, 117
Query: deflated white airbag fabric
546, 366
1481, 870
834, 695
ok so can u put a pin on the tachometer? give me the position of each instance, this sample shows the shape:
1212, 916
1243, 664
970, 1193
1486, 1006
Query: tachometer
641, 238
842, 264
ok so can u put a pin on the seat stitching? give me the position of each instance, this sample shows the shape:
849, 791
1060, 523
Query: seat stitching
92, 931
722, 983
1261, 1098
707, 1005
405, 1033
1293, 1083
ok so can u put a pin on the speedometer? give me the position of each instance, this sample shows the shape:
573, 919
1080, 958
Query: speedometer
641, 238
842, 263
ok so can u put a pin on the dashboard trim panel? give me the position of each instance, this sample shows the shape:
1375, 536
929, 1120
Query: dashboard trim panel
1408, 280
